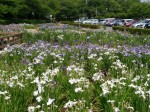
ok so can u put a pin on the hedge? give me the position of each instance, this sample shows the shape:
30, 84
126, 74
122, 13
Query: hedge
33, 21
82, 25
139, 31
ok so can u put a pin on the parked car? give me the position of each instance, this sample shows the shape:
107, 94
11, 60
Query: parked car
120, 23
101, 20
115, 22
142, 25
94, 21
109, 22
135, 25
147, 25
128, 24
91, 21
127, 20
106, 20
80, 20
86, 21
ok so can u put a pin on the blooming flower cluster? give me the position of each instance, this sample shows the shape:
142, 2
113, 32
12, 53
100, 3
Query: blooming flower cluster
75, 75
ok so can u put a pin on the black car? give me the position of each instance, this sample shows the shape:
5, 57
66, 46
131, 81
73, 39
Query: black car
147, 25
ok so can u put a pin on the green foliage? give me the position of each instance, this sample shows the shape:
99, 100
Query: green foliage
90, 26
70, 9
118, 28
3, 22
81, 25
30, 26
30, 21
133, 30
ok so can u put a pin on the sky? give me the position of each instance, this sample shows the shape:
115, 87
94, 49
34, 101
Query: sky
145, 0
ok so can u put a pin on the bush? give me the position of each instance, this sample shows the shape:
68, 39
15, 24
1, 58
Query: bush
133, 30
66, 22
90, 26
82, 25
22, 21
30, 26
118, 28
3, 21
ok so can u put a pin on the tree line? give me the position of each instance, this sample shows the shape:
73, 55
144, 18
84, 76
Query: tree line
72, 9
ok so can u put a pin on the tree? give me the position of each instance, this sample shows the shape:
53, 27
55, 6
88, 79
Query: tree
69, 9
72, 9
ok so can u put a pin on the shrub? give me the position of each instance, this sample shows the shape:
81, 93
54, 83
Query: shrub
30, 26
22, 21
66, 22
82, 25
118, 28
90, 26
133, 30
3, 22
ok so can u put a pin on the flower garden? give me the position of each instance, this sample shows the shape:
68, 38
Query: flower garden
60, 70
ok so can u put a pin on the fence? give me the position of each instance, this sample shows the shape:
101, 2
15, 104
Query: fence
10, 39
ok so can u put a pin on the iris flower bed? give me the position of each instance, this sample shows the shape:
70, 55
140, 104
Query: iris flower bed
63, 71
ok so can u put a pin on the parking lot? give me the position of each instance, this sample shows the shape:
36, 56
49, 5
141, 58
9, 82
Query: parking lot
134, 23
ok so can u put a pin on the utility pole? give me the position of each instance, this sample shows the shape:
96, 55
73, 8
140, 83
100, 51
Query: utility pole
86, 4
86, 1
96, 11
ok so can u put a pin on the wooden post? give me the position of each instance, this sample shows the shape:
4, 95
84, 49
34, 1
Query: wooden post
13, 39
7, 40
20, 36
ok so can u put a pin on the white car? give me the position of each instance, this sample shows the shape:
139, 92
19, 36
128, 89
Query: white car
102, 21
106, 20
80, 20
86, 21
94, 21
135, 25
77, 21
91, 21
141, 24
